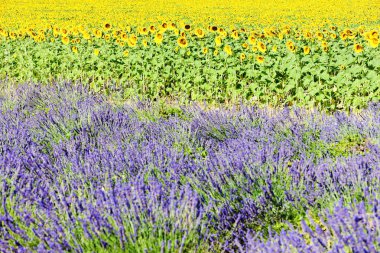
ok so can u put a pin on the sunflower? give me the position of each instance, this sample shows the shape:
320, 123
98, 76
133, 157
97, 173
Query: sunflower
187, 27
182, 42
145, 43
65, 40
261, 47
107, 37
97, 33
74, 49
235, 35
260, 59
126, 53
199, 32
252, 40
205, 50
374, 34
86, 36
374, 42
319, 35
158, 38
96, 52
306, 50
216, 52
343, 35
143, 30
325, 49
324, 44
274, 48
358, 48
245, 45
228, 50
307, 35
124, 37
242, 57
218, 40
164, 26
333, 36
214, 28
152, 28
291, 47
107, 26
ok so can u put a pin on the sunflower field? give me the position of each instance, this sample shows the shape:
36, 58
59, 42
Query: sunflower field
189, 126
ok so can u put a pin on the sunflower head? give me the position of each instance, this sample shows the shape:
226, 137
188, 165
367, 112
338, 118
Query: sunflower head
158, 38
107, 26
306, 50
182, 42
227, 49
261, 47
199, 32
187, 27
205, 50
358, 48
96, 52
74, 49
260, 59
218, 40
65, 40
374, 42
242, 57
126, 53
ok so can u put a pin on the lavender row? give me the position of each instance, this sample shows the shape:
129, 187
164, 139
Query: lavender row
82, 174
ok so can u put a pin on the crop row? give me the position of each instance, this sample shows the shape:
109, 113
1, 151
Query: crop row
330, 68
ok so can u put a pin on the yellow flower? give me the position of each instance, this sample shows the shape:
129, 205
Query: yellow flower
145, 43
242, 57
260, 59
235, 35
143, 31
182, 42
187, 27
96, 52
374, 34
319, 35
218, 41
74, 49
374, 42
228, 50
358, 48
245, 45
126, 53
107, 26
274, 48
205, 50
98, 33
213, 28
251, 40
199, 32
158, 38
306, 50
261, 46
216, 52
343, 35
291, 47
65, 40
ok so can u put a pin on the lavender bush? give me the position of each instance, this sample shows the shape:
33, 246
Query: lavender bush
81, 174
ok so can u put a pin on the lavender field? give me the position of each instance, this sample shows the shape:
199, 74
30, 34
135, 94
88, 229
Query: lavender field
80, 173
